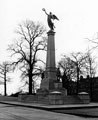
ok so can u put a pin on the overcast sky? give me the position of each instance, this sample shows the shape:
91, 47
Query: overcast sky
78, 20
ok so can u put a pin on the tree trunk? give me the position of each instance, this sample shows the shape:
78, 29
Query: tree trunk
5, 82
30, 70
77, 79
30, 83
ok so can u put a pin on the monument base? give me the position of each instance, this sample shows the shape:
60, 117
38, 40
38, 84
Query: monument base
56, 96
53, 98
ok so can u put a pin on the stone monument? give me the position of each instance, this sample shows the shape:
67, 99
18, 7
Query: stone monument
50, 88
51, 72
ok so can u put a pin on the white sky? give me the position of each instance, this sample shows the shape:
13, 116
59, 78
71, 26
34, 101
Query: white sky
78, 20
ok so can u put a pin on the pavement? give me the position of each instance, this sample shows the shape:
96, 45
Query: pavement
85, 110
50, 107
11, 112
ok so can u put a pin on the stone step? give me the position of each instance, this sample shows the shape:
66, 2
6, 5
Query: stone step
46, 99
72, 100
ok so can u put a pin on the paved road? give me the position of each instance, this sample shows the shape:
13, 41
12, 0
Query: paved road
10, 112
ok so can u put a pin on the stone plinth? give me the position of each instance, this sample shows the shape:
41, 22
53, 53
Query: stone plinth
84, 97
25, 98
56, 98
57, 85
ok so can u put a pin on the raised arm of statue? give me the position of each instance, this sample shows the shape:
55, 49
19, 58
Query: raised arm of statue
45, 11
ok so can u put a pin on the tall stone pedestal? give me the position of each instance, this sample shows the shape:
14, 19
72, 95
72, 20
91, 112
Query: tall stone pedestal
51, 90
50, 73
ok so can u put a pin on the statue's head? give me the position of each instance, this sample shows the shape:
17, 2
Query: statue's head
50, 13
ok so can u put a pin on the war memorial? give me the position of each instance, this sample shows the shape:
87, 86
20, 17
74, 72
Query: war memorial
51, 90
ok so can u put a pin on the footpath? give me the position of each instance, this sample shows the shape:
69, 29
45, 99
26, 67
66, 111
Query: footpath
50, 107
84, 110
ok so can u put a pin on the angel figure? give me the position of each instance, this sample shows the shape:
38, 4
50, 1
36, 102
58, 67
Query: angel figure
50, 17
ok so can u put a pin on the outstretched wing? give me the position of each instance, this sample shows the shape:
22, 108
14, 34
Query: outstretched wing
54, 17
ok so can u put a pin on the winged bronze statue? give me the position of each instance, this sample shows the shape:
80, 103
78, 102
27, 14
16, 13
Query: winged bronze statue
50, 17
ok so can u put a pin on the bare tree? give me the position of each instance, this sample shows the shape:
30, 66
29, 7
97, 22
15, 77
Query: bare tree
74, 66
67, 65
26, 49
91, 65
94, 42
90, 52
4, 70
79, 61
